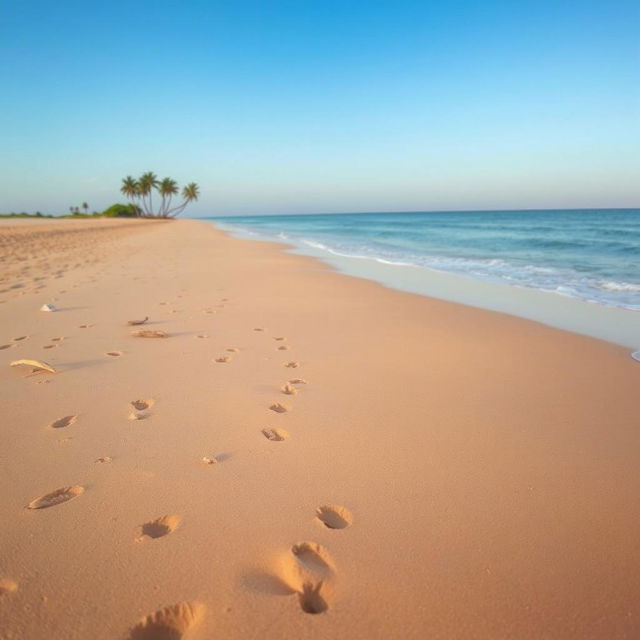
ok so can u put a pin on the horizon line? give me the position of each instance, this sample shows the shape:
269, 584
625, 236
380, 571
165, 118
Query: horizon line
355, 213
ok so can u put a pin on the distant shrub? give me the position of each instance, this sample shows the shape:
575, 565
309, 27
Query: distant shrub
120, 211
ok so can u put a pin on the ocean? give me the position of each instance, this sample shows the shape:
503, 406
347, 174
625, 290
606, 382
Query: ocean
593, 255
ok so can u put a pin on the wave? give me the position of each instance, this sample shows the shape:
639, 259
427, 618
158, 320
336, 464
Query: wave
564, 282
577, 275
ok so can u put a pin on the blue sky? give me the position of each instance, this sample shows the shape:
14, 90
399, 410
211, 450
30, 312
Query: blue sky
294, 107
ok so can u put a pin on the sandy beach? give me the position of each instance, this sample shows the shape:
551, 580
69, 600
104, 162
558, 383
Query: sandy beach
304, 455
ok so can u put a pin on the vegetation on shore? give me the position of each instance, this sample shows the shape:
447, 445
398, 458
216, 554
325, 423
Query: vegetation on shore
141, 191
114, 211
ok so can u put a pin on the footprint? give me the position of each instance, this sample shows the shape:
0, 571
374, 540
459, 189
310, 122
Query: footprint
233, 349
19, 338
284, 347
280, 408
114, 354
276, 435
150, 333
334, 516
289, 390
223, 359
104, 460
63, 422
5, 346
280, 338
49, 346
58, 339
141, 405
310, 572
159, 527
298, 381
170, 623
202, 335
259, 329
292, 365
7, 586
56, 497
311, 598
85, 326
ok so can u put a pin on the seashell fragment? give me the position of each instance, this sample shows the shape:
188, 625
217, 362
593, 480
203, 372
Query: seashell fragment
36, 364
137, 322
7, 586
150, 333
48, 307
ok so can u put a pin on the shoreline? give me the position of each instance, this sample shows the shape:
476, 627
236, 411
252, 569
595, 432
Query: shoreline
612, 324
488, 466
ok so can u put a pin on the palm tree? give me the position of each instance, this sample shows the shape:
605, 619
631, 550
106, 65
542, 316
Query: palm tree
146, 183
85, 206
189, 193
167, 188
138, 190
131, 189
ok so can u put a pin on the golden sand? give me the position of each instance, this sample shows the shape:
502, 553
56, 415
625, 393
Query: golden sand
437, 471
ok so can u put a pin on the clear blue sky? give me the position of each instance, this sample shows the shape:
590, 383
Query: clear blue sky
278, 107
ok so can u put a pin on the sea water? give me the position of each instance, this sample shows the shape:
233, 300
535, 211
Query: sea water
589, 256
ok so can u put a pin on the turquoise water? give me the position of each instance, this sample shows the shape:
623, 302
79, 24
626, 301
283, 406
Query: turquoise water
593, 255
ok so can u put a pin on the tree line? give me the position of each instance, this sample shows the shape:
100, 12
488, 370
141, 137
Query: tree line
141, 191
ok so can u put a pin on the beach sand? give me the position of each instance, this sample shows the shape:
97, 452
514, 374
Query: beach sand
305, 455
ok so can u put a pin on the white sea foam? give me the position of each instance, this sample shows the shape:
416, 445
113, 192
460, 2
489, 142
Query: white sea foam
564, 282
575, 276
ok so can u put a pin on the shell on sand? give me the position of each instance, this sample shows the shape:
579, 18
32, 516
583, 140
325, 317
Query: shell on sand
36, 364
149, 333
48, 307
137, 322
636, 355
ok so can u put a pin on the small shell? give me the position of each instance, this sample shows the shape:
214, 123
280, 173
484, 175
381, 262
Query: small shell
36, 364
48, 307
137, 322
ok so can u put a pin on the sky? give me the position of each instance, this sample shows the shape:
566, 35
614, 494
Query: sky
332, 106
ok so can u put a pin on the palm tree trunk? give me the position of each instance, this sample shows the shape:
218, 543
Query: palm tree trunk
177, 210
